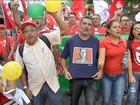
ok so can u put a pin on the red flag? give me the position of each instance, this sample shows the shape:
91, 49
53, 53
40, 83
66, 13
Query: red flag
78, 7
116, 4
24, 5
9, 23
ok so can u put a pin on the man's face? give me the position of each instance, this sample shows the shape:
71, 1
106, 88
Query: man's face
2, 32
72, 19
125, 22
86, 26
96, 20
83, 53
30, 33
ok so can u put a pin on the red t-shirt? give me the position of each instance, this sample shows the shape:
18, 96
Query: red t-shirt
7, 45
1, 49
72, 30
98, 30
20, 38
113, 55
136, 56
125, 31
3, 99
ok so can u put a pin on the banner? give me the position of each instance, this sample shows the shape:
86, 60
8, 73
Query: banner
24, 5
78, 7
116, 4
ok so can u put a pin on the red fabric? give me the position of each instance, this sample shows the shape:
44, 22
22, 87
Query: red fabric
52, 23
125, 31
135, 56
78, 7
8, 16
101, 30
24, 5
114, 55
139, 89
72, 30
1, 49
114, 6
5, 45
3, 99
20, 37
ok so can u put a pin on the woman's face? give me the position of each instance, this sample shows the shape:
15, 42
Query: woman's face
115, 29
136, 31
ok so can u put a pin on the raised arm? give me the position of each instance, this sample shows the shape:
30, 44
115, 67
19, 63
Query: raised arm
16, 15
62, 25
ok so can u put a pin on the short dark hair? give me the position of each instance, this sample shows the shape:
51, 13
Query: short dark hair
73, 13
86, 17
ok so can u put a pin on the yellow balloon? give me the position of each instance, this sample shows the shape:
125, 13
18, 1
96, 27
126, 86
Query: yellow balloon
53, 5
11, 70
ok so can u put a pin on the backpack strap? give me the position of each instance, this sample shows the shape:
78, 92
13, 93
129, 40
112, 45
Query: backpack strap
46, 41
21, 47
43, 38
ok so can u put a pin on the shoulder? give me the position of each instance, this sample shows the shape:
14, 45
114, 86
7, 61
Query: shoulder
10, 37
104, 39
75, 37
95, 38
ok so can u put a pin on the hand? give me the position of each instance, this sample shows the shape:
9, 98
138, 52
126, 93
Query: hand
9, 58
98, 75
15, 5
132, 79
28, 93
119, 13
67, 75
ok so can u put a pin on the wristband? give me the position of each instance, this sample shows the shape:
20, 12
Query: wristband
65, 70
25, 87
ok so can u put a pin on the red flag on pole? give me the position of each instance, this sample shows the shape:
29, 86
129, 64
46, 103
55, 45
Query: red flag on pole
116, 4
24, 5
9, 23
78, 7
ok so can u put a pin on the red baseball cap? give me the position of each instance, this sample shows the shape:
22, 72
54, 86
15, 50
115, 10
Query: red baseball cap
2, 26
27, 22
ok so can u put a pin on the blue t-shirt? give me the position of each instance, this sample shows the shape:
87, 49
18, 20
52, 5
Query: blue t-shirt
83, 56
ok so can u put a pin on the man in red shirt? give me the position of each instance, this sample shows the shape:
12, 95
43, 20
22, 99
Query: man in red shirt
125, 28
20, 37
8, 43
73, 27
97, 29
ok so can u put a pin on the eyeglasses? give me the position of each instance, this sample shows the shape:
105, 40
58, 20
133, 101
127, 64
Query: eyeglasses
96, 18
136, 28
126, 20
27, 31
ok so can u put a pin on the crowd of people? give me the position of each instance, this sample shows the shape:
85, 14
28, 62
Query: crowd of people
90, 60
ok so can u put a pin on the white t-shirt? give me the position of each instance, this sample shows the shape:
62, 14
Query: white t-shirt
40, 63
